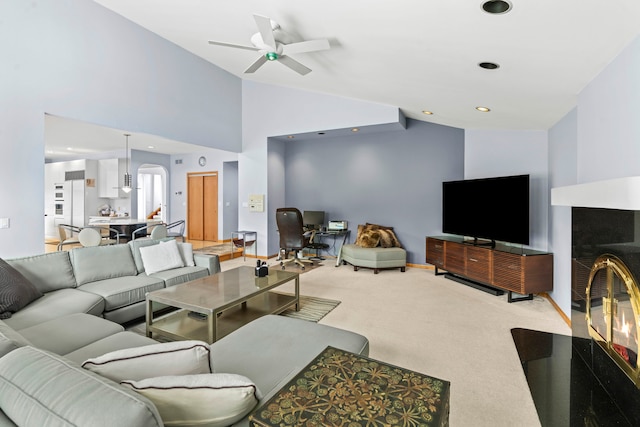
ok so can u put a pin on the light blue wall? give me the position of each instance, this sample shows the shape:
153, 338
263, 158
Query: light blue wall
76, 59
390, 178
504, 152
269, 110
563, 142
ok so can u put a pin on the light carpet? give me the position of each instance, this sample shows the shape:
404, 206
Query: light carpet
312, 309
440, 328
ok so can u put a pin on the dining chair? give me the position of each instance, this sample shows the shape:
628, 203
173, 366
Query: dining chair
68, 235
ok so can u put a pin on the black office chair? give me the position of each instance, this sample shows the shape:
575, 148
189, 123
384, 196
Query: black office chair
292, 236
316, 246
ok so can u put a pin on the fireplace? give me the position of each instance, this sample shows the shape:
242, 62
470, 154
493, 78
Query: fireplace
592, 377
612, 303
606, 302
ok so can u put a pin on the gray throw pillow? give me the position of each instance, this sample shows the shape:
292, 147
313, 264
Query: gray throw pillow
15, 290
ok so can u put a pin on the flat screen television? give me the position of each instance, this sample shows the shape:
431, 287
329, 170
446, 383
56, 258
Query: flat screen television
494, 209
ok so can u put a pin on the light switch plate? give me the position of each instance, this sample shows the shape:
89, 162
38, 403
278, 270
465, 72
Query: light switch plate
4, 222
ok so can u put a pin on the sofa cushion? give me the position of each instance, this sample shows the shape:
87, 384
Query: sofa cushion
122, 291
160, 257
186, 250
38, 388
211, 400
244, 351
102, 262
15, 290
135, 246
10, 339
48, 272
368, 232
56, 304
171, 358
181, 275
119, 341
53, 335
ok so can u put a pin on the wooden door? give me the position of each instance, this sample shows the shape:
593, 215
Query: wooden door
202, 206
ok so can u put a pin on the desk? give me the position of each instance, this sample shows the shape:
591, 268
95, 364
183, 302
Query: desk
339, 388
239, 239
335, 234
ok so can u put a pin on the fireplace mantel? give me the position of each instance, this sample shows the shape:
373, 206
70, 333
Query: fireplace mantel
619, 193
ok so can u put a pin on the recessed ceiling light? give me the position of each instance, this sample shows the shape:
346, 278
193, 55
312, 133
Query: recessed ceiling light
427, 112
70, 148
496, 7
483, 109
290, 136
489, 65
355, 129
151, 146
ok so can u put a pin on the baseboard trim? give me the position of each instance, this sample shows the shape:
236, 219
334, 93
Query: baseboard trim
557, 307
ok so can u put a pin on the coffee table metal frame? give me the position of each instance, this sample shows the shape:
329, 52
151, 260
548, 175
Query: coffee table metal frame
214, 306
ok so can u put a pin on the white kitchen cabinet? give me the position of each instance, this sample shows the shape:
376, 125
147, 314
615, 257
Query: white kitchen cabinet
108, 177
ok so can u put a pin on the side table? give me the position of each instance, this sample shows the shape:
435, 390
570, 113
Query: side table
241, 239
339, 388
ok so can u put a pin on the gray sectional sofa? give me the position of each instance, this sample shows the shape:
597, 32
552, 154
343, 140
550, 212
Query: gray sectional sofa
43, 345
107, 281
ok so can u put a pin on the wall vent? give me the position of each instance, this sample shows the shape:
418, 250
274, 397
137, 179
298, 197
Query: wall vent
178, 161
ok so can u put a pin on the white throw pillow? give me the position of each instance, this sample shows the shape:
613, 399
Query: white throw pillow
209, 400
172, 358
160, 257
186, 250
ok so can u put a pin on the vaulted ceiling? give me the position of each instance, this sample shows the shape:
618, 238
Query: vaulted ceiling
416, 54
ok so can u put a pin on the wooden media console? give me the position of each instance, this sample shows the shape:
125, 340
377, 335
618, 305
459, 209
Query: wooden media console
492, 269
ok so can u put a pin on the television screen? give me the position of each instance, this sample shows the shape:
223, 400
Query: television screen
495, 209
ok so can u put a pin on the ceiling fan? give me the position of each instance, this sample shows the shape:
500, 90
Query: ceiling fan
273, 45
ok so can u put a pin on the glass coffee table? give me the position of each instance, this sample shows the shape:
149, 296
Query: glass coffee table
214, 306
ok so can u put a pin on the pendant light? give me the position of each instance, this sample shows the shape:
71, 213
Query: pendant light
127, 176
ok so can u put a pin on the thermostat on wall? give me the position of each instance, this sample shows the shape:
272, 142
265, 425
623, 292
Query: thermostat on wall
256, 202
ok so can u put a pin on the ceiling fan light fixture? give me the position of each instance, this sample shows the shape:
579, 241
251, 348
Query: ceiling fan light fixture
271, 56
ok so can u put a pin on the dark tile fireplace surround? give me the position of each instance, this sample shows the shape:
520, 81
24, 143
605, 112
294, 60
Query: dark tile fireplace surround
573, 380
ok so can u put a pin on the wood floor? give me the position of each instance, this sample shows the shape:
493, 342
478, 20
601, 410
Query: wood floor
51, 245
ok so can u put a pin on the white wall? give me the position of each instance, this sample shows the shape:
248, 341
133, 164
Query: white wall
608, 126
79, 60
490, 153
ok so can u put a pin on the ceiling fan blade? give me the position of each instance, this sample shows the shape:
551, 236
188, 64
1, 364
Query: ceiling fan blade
257, 64
294, 65
305, 46
238, 46
266, 31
